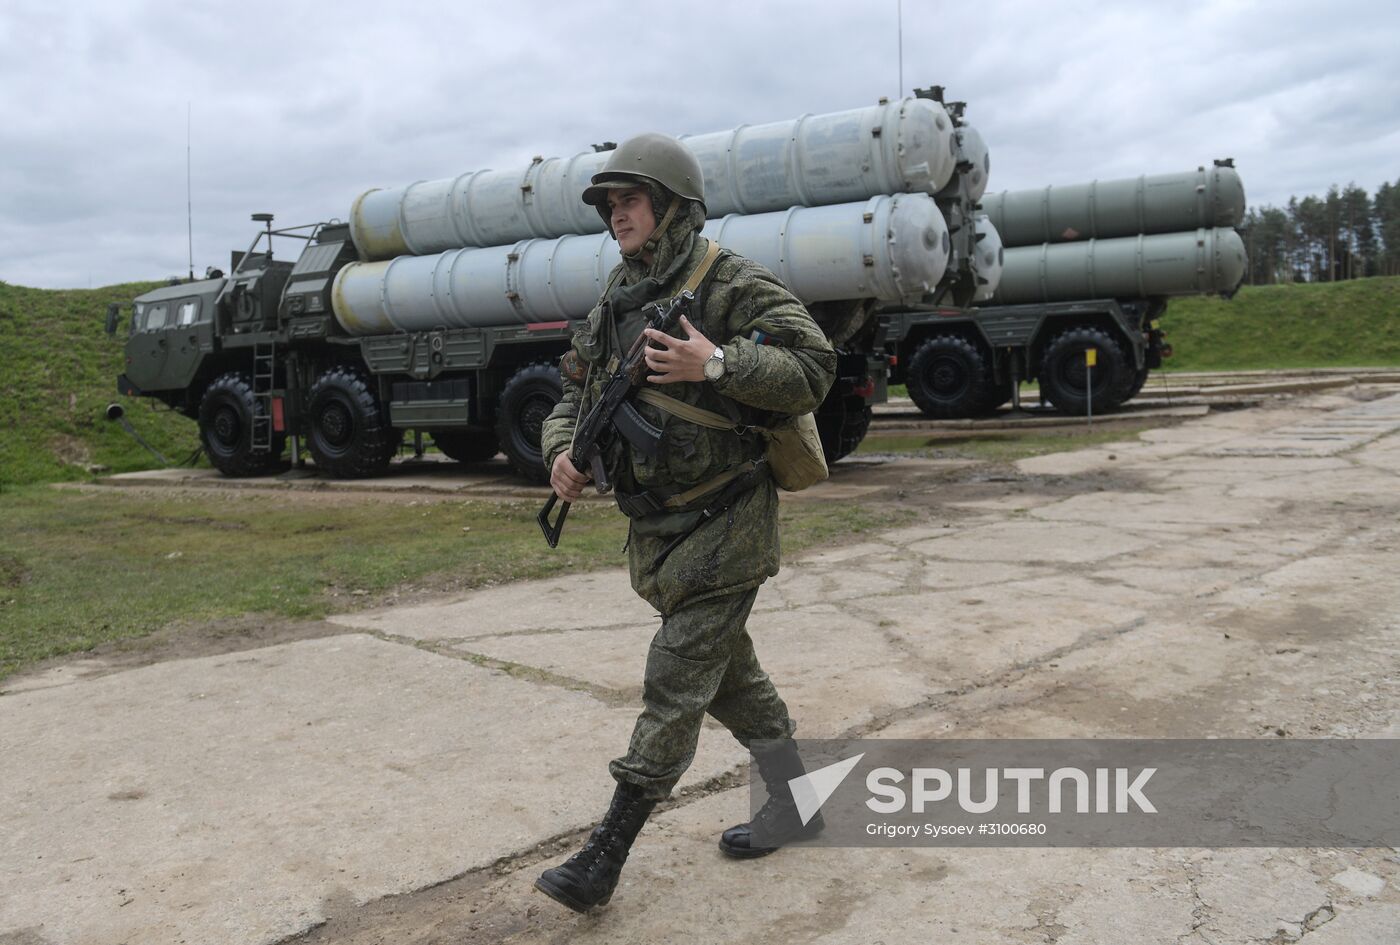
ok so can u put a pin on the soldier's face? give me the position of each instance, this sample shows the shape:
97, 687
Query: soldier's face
633, 219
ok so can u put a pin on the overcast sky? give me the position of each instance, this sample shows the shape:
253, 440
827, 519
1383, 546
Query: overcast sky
297, 107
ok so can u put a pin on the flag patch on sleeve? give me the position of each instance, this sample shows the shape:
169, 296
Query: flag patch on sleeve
763, 338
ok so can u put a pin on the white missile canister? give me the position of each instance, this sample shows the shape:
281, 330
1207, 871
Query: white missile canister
893, 248
906, 146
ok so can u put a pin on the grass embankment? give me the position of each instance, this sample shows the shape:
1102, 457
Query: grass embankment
60, 372
1341, 324
80, 568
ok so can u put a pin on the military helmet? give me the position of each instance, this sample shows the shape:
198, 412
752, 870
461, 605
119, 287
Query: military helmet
652, 157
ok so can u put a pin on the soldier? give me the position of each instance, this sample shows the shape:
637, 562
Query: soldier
703, 531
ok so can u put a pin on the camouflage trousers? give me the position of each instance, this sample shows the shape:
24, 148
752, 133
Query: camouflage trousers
701, 660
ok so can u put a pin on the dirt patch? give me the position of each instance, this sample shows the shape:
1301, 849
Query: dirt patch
202, 522
189, 640
941, 486
13, 573
69, 449
315, 495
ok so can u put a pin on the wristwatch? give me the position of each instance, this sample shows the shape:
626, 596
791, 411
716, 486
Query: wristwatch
714, 367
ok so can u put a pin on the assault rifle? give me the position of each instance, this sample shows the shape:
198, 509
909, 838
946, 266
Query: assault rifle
614, 411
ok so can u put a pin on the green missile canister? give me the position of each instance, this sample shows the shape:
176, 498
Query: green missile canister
1189, 263
1207, 197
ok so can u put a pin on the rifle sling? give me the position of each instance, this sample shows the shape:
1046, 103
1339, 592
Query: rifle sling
651, 502
697, 415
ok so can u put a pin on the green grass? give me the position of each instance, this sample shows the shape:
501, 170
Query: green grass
60, 372
1343, 324
82, 568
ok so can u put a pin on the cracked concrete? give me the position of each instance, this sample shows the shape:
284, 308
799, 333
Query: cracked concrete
405, 779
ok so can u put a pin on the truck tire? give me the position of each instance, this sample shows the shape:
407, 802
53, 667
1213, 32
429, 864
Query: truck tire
947, 377
994, 398
226, 414
526, 400
467, 446
1063, 372
842, 425
1136, 379
348, 431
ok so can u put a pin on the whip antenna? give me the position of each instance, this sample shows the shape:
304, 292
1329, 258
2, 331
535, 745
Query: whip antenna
189, 199
899, 13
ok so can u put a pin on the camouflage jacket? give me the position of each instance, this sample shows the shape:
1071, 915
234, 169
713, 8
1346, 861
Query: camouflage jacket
777, 361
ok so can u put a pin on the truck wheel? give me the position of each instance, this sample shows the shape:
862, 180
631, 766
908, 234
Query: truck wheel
992, 400
348, 431
226, 414
527, 399
1064, 376
467, 446
1135, 382
842, 425
947, 377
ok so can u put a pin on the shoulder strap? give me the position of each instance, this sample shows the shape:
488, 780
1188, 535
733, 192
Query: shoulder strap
612, 281
703, 270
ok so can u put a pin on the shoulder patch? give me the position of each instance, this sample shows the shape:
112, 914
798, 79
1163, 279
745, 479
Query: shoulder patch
571, 367
763, 338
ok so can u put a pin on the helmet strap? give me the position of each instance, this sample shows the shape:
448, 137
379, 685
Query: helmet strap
654, 241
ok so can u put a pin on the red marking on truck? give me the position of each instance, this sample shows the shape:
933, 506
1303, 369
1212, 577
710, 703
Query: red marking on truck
279, 420
865, 388
546, 326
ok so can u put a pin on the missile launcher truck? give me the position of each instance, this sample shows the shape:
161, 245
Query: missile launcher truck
1090, 266
442, 307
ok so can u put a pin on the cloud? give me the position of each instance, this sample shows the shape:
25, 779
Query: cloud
297, 108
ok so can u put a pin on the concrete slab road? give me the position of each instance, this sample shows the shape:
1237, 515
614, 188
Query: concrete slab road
405, 779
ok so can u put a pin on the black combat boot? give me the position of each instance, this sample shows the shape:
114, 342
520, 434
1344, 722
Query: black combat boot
777, 821
587, 878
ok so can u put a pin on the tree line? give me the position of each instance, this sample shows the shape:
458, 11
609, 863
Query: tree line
1345, 235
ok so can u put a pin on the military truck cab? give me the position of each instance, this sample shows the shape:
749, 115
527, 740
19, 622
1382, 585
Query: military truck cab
258, 357
172, 330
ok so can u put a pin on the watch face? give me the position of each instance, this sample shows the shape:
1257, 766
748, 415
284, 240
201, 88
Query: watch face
714, 369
